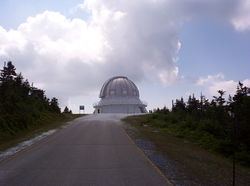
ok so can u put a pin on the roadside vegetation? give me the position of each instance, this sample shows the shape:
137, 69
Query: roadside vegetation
220, 125
25, 108
199, 138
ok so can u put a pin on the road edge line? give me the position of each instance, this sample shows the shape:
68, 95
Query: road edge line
150, 162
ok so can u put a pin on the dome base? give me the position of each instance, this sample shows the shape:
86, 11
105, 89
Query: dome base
120, 108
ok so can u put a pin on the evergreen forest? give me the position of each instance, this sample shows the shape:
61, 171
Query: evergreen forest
221, 125
22, 106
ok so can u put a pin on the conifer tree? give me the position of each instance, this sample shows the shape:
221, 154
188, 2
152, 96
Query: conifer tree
66, 110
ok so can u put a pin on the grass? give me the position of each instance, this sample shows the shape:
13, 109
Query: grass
184, 150
46, 122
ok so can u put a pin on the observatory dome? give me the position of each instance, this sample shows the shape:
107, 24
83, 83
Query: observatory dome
119, 95
119, 86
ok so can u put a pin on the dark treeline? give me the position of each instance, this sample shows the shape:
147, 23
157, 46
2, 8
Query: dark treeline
21, 105
221, 124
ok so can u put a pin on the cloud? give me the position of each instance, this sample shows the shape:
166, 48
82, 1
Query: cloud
213, 83
70, 57
241, 20
56, 53
142, 35
138, 39
210, 79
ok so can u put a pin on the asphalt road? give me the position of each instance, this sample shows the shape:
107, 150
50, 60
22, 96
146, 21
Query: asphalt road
93, 150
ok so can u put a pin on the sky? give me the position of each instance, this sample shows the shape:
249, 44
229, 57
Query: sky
169, 48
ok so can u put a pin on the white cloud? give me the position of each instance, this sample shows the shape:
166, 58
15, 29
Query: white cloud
227, 85
241, 20
167, 77
69, 57
141, 34
50, 35
139, 39
58, 54
213, 83
210, 79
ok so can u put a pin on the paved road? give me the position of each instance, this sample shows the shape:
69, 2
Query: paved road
94, 150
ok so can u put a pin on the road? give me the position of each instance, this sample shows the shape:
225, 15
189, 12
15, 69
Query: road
93, 150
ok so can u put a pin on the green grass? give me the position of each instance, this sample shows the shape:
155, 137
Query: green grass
184, 127
46, 122
194, 153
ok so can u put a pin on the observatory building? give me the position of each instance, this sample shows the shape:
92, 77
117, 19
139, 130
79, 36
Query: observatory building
120, 95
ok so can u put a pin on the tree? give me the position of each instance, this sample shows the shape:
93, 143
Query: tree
37, 93
204, 103
8, 73
54, 105
193, 104
225, 133
21, 105
220, 100
8, 93
241, 109
66, 110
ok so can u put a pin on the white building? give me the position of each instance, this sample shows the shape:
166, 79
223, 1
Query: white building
119, 95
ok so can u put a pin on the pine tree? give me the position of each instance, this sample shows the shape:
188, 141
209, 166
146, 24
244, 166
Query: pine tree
54, 105
220, 100
179, 105
66, 110
8, 73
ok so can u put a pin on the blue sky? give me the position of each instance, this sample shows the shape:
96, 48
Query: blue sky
211, 47
69, 48
14, 12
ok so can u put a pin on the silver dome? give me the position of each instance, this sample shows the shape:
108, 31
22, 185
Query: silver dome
119, 86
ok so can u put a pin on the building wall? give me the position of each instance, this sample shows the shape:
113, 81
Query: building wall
118, 109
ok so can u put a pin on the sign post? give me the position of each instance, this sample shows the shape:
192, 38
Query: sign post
81, 107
